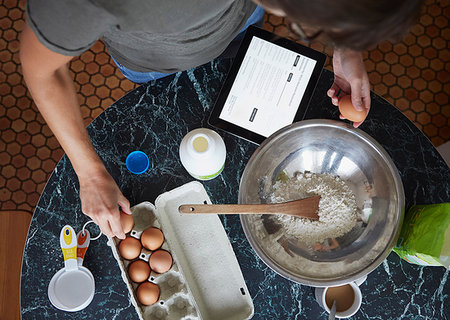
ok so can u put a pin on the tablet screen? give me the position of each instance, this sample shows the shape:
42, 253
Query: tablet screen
268, 88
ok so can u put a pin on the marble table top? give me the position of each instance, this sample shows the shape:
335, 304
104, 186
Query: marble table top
154, 118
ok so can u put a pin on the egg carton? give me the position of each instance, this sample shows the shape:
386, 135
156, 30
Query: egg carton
205, 281
174, 295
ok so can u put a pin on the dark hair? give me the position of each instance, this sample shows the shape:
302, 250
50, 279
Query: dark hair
354, 24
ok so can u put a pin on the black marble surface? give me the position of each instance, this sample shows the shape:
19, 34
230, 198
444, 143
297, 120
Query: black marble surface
154, 118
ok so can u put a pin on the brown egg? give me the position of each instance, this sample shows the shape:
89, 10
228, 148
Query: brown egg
147, 293
348, 110
130, 248
160, 261
152, 238
139, 271
127, 222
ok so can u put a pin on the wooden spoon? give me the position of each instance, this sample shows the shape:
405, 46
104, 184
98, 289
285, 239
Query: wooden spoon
305, 208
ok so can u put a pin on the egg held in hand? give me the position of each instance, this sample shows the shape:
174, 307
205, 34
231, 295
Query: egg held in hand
349, 112
130, 248
139, 271
127, 222
148, 293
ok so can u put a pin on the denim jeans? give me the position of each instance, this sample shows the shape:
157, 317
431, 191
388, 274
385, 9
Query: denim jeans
257, 17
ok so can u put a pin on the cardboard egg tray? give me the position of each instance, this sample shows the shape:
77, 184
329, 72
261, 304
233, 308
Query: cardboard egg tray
205, 281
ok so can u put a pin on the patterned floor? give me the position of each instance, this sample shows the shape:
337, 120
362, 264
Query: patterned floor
412, 74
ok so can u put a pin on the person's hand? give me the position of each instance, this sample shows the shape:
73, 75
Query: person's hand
100, 198
350, 77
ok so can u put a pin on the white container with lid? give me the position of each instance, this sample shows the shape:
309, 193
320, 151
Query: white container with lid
203, 153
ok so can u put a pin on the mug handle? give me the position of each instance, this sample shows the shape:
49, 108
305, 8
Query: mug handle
360, 281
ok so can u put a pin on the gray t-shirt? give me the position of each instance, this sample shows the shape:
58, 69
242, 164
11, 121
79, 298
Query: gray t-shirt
163, 36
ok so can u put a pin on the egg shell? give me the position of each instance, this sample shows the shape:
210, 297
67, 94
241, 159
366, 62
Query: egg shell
148, 293
152, 238
139, 271
160, 261
127, 222
130, 248
349, 112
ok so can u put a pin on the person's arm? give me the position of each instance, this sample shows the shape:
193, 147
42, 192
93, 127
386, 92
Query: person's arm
350, 77
47, 76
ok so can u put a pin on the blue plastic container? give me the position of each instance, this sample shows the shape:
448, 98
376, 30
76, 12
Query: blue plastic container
137, 162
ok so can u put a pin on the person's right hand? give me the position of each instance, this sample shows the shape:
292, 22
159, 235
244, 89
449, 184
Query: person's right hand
100, 198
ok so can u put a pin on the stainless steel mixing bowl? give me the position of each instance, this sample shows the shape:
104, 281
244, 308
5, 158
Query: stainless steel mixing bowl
325, 146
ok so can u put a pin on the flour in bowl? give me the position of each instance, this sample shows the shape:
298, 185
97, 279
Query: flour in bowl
337, 206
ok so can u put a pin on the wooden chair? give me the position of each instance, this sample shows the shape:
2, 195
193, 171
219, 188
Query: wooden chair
13, 232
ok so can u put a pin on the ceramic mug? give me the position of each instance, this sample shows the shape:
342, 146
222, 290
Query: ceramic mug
321, 294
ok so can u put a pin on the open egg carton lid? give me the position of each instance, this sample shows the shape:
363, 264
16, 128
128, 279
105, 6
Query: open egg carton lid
205, 281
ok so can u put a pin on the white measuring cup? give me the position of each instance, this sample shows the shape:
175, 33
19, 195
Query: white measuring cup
72, 288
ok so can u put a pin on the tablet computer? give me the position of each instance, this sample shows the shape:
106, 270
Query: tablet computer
269, 86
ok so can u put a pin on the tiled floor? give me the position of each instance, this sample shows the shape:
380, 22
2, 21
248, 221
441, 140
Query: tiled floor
412, 74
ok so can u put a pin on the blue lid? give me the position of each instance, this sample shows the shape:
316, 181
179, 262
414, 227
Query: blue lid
137, 162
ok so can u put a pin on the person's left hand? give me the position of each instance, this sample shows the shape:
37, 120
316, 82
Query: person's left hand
350, 77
